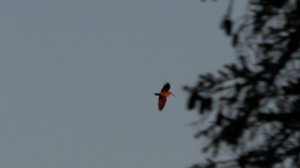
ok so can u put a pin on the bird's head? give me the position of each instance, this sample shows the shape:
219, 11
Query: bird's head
172, 94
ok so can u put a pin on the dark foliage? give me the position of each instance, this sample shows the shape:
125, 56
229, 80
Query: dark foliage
252, 107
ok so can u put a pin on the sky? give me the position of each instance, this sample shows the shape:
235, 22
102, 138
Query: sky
78, 77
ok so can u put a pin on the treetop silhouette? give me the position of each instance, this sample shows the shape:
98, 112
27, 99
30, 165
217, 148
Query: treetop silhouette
252, 107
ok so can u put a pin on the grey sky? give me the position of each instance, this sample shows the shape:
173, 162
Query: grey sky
78, 77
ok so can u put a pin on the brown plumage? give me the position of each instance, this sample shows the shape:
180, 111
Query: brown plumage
162, 96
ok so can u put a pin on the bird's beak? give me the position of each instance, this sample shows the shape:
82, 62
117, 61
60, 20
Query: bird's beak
173, 94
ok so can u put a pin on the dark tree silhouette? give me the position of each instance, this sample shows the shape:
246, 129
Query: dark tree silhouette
252, 107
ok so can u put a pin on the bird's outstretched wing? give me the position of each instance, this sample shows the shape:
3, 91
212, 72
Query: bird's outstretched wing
161, 102
166, 87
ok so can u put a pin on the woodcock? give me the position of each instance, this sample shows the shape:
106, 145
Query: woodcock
162, 96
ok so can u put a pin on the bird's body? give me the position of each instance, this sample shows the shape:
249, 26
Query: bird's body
162, 96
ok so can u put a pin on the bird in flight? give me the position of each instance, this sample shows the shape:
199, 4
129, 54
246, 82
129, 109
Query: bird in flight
162, 96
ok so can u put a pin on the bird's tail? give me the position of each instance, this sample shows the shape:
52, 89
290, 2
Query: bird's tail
156, 94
